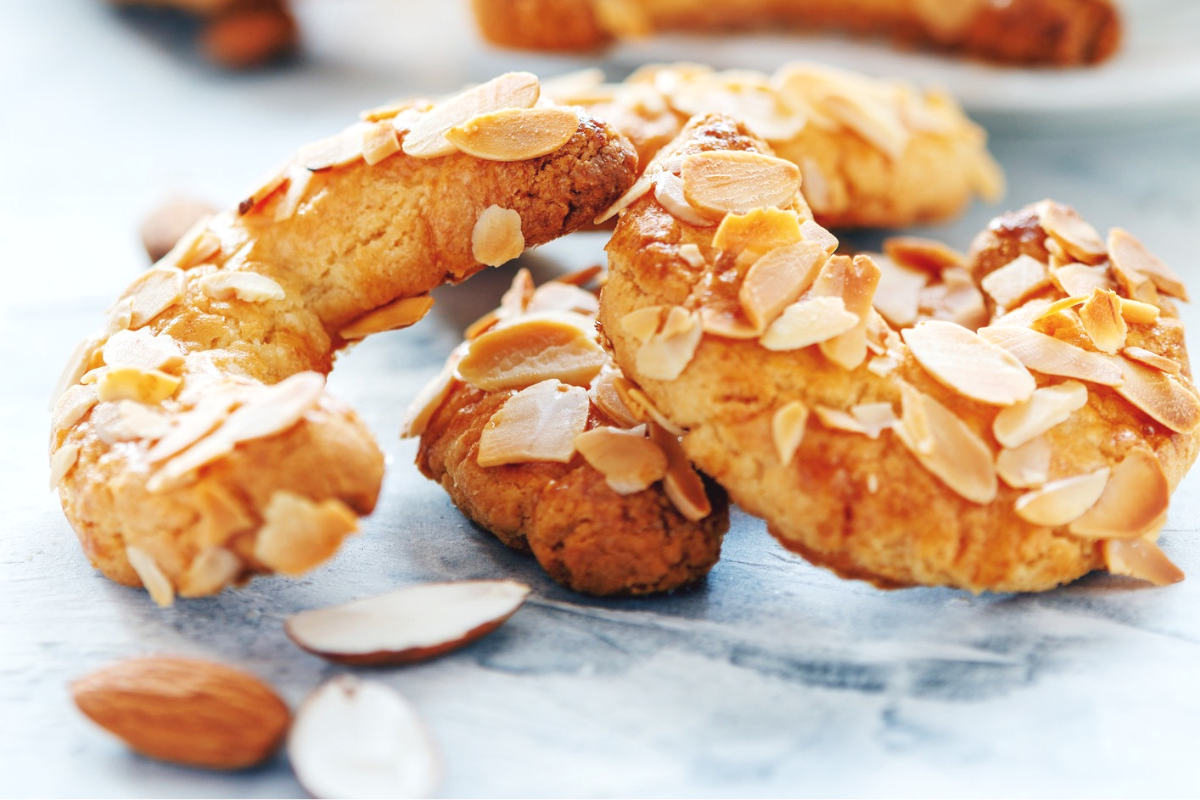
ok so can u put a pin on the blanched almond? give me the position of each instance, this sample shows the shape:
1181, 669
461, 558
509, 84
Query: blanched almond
665, 355
538, 423
787, 429
1139, 558
427, 137
628, 460
1161, 396
1077, 237
1048, 355
1027, 466
1131, 255
530, 351
777, 279
1047, 407
515, 134
297, 533
968, 363
729, 181
497, 238
1016, 280
946, 447
395, 315
1134, 500
1063, 501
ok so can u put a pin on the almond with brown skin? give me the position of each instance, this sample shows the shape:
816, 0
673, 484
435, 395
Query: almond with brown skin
186, 711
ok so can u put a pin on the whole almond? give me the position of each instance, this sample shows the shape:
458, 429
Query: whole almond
187, 711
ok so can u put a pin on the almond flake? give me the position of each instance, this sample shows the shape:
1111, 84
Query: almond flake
787, 429
430, 398
558, 296
211, 570
297, 186
607, 399
153, 292
134, 383
532, 350
395, 315
1101, 318
777, 279
1027, 466
496, 238
812, 232
898, 296
1063, 501
129, 421
628, 460
338, 150
665, 355
62, 462
1133, 282
968, 363
638, 403
668, 191
379, 141
427, 137
1161, 363
193, 425
691, 254
1050, 356
297, 533
956, 299
838, 420
816, 185
928, 255
726, 323
1047, 407
142, 350
77, 366
640, 187
264, 191
1138, 558
757, 232
946, 447
640, 324
162, 592
1058, 306
855, 282
1081, 280
516, 298
1137, 312
875, 418
1077, 237
71, 406
249, 287
515, 134
870, 118
1131, 255
1134, 499
1016, 280
682, 485
1161, 396
808, 322
730, 181
538, 423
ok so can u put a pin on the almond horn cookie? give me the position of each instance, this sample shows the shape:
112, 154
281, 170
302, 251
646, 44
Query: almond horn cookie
538, 438
1016, 456
192, 441
873, 153
1029, 32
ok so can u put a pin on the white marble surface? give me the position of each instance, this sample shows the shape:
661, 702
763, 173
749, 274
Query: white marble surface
772, 678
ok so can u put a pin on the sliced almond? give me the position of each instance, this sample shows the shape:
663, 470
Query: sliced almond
639, 189
297, 533
1048, 355
968, 363
1016, 280
1131, 255
338, 150
777, 279
642, 323
266, 189
787, 430
898, 296
354, 738
395, 315
605, 397
855, 282
871, 119
1063, 501
1101, 318
1161, 396
955, 299
1161, 363
1058, 306
141, 350
691, 254
538, 423
812, 232
808, 322
558, 296
637, 402
875, 418
161, 590
928, 255
71, 407
730, 181
1080, 279
1027, 466
249, 287
668, 191
665, 355
530, 351
1137, 312
133, 383
297, 187
407, 625
1138, 558
154, 292
497, 238
838, 420
77, 366
628, 460
1077, 237
946, 447
193, 425
682, 484
129, 421
379, 142
1134, 499
432, 395
211, 570
757, 232
727, 323
1047, 407
515, 134
427, 137
62, 462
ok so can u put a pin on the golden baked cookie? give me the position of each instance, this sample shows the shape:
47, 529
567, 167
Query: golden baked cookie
873, 153
1013, 457
235, 34
527, 431
1026, 32
192, 441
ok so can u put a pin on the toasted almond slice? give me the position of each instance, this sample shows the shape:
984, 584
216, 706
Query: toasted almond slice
637, 402
628, 460
668, 191
497, 238
297, 187
129, 421
1137, 312
1027, 466
605, 397
265, 190
1161, 396
870, 118
898, 296
430, 398
515, 134
133, 383
271, 410
211, 570
757, 232
682, 484
412, 624
558, 296
1135, 498
720, 182
807, 322
1133, 283
855, 282
161, 590
193, 425
62, 462
928, 255
427, 137
71, 406
1161, 363
968, 363
530, 351
691, 254
664, 356
249, 287
1016, 280
1059, 306
392, 109
1048, 355
816, 186
1081, 280
787, 429
181, 469
1047, 407
77, 366
640, 187
838, 420
1071, 231
154, 292
946, 447
298, 533
1130, 254
1063, 501
956, 299
812, 232
395, 315
538, 423
727, 323
642, 323
875, 418
142, 350
379, 141
777, 280
1138, 558
338, 150
1101, 318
